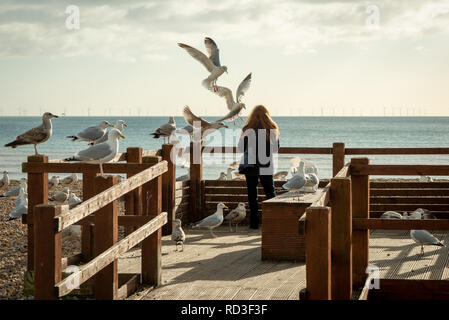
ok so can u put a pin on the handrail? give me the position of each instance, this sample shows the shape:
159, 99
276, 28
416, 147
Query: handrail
91, 205
120, 156
412, 170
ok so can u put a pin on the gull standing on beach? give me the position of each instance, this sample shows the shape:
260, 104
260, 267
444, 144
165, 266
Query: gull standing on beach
61, 196
36, 135
235, 107
424, 237
54, 182
190, 118
19, 210
21, 197
211, 63
5, 179
212, 221
100, 153
236, 216
165, 130
93, 133
73, 178
15, 191
73, 199
178, 235
119, 124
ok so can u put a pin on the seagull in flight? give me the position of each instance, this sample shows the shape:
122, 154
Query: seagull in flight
190, 118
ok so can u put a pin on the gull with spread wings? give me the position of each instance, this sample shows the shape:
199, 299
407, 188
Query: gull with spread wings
190, 118
235, 107
211, 63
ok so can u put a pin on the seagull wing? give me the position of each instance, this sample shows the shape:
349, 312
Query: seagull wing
424, 237
210, 221
243, 87
232, 114
227, 94
96, 152
33, 135
199, 56
213, 51
91, 133
189, 117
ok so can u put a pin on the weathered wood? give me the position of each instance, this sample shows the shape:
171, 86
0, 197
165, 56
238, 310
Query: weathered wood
338, 157
93, 204
282, 150
37, 194
402, 169
408, 289
437, 214
81, 167
151, 263
98, 263
47, 249
360, 209
391, 224
131, 284
409, 200
318, 253
408, 207
168, 187
125, 221
196, 175
182, 184
341, 238
106, 235
368, 151
408, 185
133, 199
375, 193
235, 183
87, 229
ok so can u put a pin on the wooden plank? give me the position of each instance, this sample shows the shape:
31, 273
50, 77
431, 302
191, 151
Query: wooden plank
437, 214
129, 287
409, 184
82, 167
48, 251
168, 187
235, 183
367, 151
318, 253
126, 221
231, 198
409, 192
407, 289
282, 150
397, 170
182, 184
87, 229
408, 207
360, 209
91, 268
106, 235
407, 200
151, 260
196, 175
37, 189
338, 157
93, 204
341, 238
133, 199
390, 224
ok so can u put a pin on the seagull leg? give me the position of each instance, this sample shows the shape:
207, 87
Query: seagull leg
35, 150
213, 235
101, 170
422, 250
182, 247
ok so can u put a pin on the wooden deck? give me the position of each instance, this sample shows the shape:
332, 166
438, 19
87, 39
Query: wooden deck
230, 266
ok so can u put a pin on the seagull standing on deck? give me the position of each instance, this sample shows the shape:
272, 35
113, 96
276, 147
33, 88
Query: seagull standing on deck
236, 216
93, 133
212, 221
424, 237
36, 135
100, 153
178, 235
165, 130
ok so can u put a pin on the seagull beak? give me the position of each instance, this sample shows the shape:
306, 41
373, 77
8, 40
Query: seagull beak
225, 207
55, 116
122, 136
125, 124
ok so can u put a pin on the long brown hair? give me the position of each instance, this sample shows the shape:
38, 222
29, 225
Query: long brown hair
260, 119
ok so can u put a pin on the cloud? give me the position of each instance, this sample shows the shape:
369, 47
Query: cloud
141, 30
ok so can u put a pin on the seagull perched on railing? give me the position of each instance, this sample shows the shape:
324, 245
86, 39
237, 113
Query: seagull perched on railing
165, 130
211, 63
213, 220
36, 135
391, 215
100, 153
119, 124
424, 237
93, 133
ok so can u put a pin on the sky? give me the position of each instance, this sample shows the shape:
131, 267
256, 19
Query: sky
307, 58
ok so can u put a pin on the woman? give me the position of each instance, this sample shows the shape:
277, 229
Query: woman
258, 142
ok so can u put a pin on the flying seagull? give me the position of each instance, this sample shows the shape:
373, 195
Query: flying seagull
100, 153
211, 63
235, 106
36, 135
93, 133
190, 118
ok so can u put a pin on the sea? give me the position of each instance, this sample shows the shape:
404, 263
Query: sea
355, 132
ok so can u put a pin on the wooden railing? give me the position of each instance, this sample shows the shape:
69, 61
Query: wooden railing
337, 236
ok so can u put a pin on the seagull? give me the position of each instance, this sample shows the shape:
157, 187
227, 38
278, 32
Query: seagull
100, 153
19, 210
178, 235
281, 175
236, 216
183, 177
235, 107
424, 237
5, 180
239, 176
73, 199
212, 221
211, 63
309, 167
93, 133
15, 191
165, 130
229, 174
61, 196
73, 178
390, 215
119, 124
36, 135
54, 182
206, 126
234, 164
312, 182
21, 198
297, 181
222, 176
187, 130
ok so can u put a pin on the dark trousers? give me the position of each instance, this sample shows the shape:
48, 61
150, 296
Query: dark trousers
251, 185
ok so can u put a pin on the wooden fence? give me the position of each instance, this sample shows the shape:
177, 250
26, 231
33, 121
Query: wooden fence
337, 233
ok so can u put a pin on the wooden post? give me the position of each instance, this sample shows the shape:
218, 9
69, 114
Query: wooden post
360, 238
133, 200
340, 198
87, 229
151, 246
106, 235
196, 175
168, 187
37, 194
47, 249
338, 157
318, 253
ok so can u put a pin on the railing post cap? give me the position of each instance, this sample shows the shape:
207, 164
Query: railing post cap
360, 160
37, 158
338, 144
